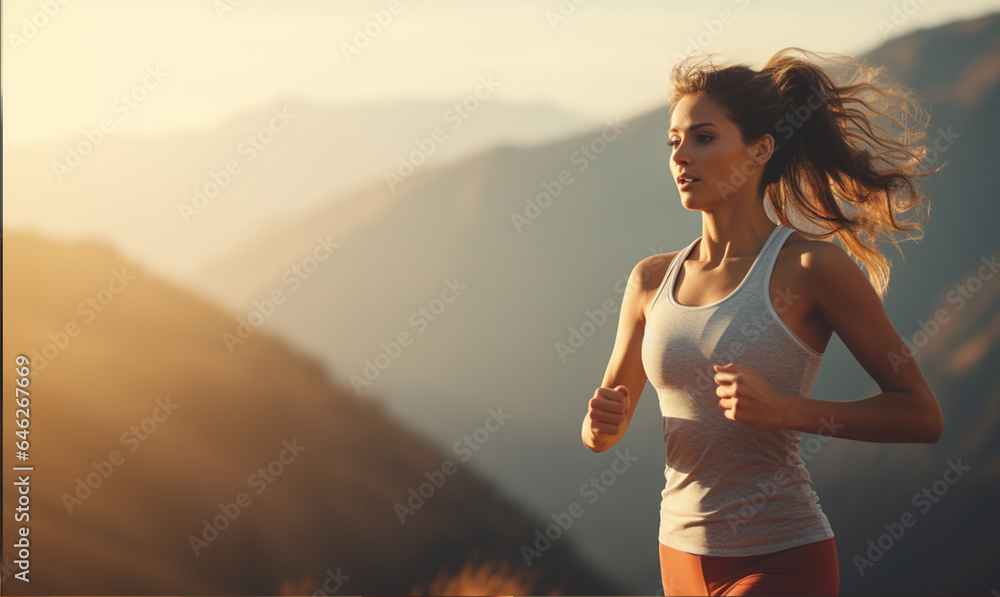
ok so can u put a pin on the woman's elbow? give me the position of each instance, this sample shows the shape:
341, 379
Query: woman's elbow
937, 428
933, 425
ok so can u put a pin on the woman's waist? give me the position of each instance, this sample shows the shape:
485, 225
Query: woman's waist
722, 472
737, 499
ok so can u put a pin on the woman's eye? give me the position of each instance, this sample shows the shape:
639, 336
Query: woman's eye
701, 139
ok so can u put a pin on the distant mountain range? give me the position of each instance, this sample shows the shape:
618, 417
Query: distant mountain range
164, 463
178, 203
543, 238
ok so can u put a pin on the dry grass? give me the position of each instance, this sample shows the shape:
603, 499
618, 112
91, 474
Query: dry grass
475, 578
483, 578
305, 587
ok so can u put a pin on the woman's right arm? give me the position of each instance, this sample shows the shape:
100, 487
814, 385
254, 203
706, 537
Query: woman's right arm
609, 412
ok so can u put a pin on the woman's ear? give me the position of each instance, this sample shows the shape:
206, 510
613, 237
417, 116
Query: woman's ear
764, 148
761, 150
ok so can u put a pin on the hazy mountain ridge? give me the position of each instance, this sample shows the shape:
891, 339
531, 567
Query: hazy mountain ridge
954, 64
203, 192
221, 415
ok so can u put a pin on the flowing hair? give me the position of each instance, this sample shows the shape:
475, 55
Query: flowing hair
845, 157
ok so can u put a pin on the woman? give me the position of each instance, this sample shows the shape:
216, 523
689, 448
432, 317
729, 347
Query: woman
731, 329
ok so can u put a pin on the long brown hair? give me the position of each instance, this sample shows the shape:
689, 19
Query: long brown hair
846, 155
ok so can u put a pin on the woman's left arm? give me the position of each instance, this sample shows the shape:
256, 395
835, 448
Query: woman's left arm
906, 410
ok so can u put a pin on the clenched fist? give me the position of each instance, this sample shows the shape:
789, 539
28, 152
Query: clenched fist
607, 418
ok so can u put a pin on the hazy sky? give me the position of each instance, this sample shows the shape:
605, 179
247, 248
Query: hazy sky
66, 71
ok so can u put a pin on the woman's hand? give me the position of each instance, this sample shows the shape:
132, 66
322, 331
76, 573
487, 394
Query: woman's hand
607, 418
745, 397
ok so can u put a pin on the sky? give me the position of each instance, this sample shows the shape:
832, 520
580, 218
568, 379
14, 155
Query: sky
67, 63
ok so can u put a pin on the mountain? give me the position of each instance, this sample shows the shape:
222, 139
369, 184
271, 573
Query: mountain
945, 301
946, 490
178, 202
542, 238
170, 459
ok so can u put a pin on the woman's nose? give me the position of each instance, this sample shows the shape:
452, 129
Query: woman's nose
680, 155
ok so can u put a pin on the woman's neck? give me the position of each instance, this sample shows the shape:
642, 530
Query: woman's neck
733, 233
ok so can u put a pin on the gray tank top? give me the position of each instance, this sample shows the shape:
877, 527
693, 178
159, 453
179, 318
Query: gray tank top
731, 490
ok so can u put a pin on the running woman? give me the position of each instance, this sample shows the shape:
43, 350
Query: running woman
731, 329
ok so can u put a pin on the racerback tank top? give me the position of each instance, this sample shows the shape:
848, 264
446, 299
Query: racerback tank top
731, 489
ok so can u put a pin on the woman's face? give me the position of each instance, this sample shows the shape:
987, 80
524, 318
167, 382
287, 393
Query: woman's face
707, 147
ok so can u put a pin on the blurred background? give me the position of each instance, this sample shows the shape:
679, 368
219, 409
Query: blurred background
315, 293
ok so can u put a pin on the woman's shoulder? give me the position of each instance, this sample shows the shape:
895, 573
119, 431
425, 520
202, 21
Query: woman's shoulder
646, 278
809, 255
650, 271
809, 266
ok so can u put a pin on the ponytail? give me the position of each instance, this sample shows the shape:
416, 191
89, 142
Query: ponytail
846, 156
